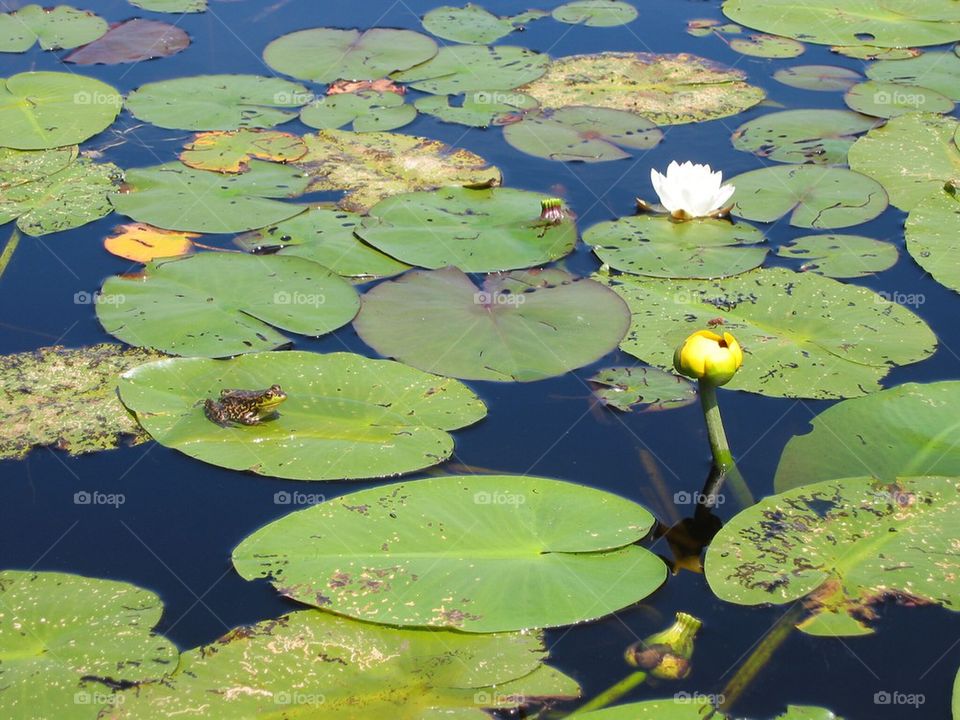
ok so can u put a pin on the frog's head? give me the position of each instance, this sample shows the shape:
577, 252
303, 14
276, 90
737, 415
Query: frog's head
271, 398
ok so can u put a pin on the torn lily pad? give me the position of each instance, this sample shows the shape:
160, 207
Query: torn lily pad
481, 108
472, 24
364, 111
665, 89
62, 27
132, 41
819, 137
595, 13
626, 388
766, 46
523, 552
345, 416
840, 256
231, 151
887, 100
821, 78
467, 68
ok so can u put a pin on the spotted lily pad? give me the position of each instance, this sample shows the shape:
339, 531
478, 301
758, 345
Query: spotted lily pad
937, 71
840, 256
657, 246
585, 134
822, 78
812, 196
931, 236
323, 55
221, 304
171, 6
372, 166
231, 151
473, 24
519, 326
665, 89
820, 137
365, 110
803, 335
40, 110
53, 28
766, 46
625, 388
23, 166
480, 108
218, 102
132, 41
870, 52
68, 642
887, 100
466, 68
844, 545
474, 230
596, 13
345, 416
176, 197
523, 552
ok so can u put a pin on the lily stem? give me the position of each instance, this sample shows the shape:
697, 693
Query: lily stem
614, 692
723, 460
8, 249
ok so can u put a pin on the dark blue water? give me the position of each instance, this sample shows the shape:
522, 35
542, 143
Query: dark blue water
181, 518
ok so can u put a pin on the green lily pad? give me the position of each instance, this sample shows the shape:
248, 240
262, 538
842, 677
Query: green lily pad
822, 78
473, 24
67, 642
171, 6
230, 151
908, 430
933, 70
372, 166
595, 13
803, 335
820, 137
912, 156
62, 27
481, 108
474, 230
955, 701
841, 256
887, 100
682, 706
220, 304
846, 545
132, 41
625, 388
931, 237
325, 235
69, 198
466, 68
22, 166
345, 417
365, 110
657, 246
519, 326
870, 52
522, 552
40, 110
665, 89
585, 134
176, 197
66, 398
360, 670
767, 46
322, 55
855, 22
218, 102
812, 196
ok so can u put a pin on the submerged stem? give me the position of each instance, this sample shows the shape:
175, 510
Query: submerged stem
614, 692
723, 460
8, 249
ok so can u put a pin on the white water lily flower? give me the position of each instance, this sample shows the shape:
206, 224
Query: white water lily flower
691, 191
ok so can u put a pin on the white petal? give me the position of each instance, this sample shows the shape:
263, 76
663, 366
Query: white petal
720, 199
661, 186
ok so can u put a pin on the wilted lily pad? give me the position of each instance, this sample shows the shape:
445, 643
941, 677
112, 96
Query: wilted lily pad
938, 71
480, 108
586, 134
665, 89
231, 151
323, 55
53, 28
345, 416
803, 335
473, 24
218, 102
176, 197
657, 246
812, 196
23, 166
522, 552
766, 46
474, 230
518, 326
823, 78
372, 166
365, 110
840, 256
132, 41
846, 545
625, 388
596, 13
220, 304
887, 100
465, 68
931, 236
171, 6
68, 642
820, 137
142, 243
40, 110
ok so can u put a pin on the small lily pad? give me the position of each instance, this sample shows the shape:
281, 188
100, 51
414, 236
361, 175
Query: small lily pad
822, 78
62, 27
767, 46
231, 151
480, 108
841, 256
626, 388
132, 41
869, 52
584, 134
466, 68
142, 243
931, 237
937, 71
596, 13
887, 100
171, 6
819, 137
473, 24
365, 110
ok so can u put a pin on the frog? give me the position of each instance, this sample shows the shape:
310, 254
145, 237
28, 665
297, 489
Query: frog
244, 407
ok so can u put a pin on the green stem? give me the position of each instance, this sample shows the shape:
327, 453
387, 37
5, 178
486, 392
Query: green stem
722, 457
614, 692
8, 249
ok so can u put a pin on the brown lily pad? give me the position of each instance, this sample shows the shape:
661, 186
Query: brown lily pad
132, 41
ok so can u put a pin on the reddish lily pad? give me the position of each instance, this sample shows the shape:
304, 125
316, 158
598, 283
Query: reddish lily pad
132, 41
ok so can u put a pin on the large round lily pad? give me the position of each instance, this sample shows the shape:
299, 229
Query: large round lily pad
820, 137
931, 237
665, 89
519, 326
176, 197
218, 102
840, 256
323, 55
804, 335
473, 24
482, 553
465, 68
68, 642
40, 110
812, 196
345, 416
938, 71
887, 100
375, 165
220, 304
846, 545
657, 246
53, 27
364, 111
474, 230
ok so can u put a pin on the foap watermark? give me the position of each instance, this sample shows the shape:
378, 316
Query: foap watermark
87, 298
97, 698
283, 297
487, 699
296, 697
85, 97
489, 299
696, 498
484, 97
95, 497
297, 498
914, 300
686, 698
498, 498
896, 697
899, 98
294, 99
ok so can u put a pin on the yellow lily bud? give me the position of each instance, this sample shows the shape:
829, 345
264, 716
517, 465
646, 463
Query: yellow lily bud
666, 655
708, 356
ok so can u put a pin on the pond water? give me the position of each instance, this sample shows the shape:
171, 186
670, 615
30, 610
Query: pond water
180, 518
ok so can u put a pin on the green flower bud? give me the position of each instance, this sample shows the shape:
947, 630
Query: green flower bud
666, 655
